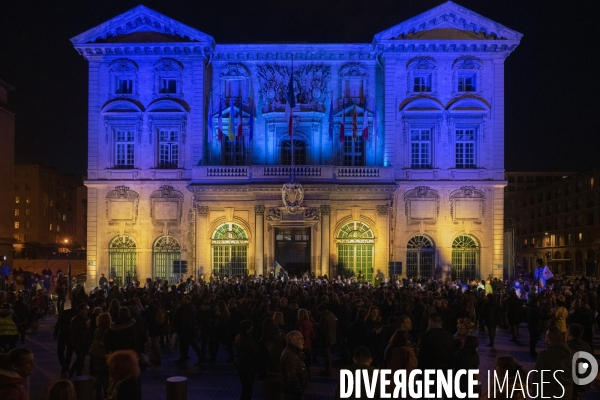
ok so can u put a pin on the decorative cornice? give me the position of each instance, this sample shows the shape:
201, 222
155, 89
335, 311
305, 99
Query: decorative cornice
203, 188
498, 46
89, 50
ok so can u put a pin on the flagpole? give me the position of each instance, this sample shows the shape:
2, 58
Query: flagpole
209, 142
292, 122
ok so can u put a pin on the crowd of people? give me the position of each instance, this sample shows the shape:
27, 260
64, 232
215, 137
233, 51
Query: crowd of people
276, 330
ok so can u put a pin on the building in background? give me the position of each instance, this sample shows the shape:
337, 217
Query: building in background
7, 162
393, 151
81, 216
44, 206
556, 222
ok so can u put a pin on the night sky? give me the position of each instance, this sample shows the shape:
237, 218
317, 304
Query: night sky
552, 78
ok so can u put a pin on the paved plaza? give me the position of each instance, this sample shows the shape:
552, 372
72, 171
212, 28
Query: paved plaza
220, 381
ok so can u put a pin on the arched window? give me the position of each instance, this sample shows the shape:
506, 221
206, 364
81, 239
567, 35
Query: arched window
465, 258
420, 255
355, 243
122, 259
299, 152
230, 250
166, 249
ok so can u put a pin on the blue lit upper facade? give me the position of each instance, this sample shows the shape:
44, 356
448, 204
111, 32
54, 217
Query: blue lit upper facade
420, 106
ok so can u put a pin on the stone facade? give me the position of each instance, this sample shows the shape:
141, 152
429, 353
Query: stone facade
397, 151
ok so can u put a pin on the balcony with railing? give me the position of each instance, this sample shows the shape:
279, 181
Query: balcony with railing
281, 173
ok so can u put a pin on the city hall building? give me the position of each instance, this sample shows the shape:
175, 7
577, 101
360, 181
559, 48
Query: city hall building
393, 150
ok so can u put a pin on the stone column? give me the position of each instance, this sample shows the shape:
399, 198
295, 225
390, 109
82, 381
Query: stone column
202, 243
382, 248
259, 234
325, 212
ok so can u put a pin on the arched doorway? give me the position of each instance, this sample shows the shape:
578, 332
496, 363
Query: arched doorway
465, 258
230, 250
166, 249
355, 243
122, 259
420, 255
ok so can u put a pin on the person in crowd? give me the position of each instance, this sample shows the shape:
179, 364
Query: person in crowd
98, 366
508, 366
557, 357
62, 389
560, 316
584, 315
122, 334
575, 343
535, 324
15, 367
437, 345
362, 358
491, 317
124, 376
9, 332
305, 327
358, 331
399, 353
328, 333
514, 310
294, 377
62, 333
466, 357
102, 281
185, 326
272, 343
464, 329
61, 292
79, 328
221, 332
247, 354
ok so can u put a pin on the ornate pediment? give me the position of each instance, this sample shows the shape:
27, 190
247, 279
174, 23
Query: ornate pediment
311, 83
141, 25
448, 21
166, 205
422, 204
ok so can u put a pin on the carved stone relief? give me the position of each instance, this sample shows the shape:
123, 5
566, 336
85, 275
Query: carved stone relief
422, 204
166, 205
311, 214
274, 214
310, 81
122, 205
467, 204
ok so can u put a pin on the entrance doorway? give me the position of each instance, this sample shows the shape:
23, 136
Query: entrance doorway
292, 249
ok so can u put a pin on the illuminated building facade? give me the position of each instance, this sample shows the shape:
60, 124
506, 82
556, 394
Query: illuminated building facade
420, 181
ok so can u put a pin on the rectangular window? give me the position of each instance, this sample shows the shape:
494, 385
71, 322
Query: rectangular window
51, 203
27, 224
353, 89
233, 88
420, 148
16, 212
466, 82
168, 85
422, 83
64, 217
124, 149
124, 86
27, 200
17, 200
233, 151
465, 148
299, 153
16, 224
353, 151
57, 228
50, 226
168, 142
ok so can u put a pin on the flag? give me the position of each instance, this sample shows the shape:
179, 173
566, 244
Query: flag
231, 117
375, 122
210, 121
331, 120
251, 123
342, 127
291, 103
279, 271
240, 125
220, 124
365, 127
354, 124
546, 273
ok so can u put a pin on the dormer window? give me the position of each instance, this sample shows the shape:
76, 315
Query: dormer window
167, 85
421, 75
124, 85
123, 78
466, 82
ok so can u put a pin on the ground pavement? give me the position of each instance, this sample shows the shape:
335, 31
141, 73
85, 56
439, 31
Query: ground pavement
220, 381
